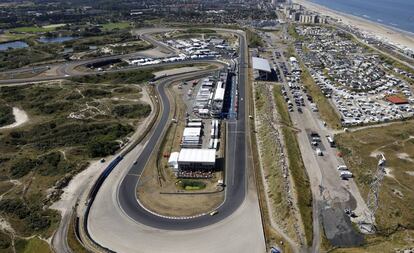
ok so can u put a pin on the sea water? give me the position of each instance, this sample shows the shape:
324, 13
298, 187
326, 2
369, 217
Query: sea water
394, 13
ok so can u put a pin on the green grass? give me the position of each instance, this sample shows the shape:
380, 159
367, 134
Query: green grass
199, 30
399, 240
32, 29
6, 115
116, 25
73, 242
128, 77
191, 185
296, 167
7, 36
253, 39
34, 245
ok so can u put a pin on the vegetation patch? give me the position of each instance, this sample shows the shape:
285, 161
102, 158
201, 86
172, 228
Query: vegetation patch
296, 167
33, 245
70, 124
191, 185
129, 77
396, 142
199, 30
132, 110
116, 25
253, 39
33, 29
6, 115
5, 243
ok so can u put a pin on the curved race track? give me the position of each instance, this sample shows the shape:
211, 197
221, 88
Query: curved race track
117, 222
235, 168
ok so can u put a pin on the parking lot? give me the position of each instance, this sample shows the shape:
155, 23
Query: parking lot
362, 87
321, 158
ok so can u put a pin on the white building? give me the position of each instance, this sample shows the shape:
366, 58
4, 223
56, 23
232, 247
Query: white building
197, 159
173, 161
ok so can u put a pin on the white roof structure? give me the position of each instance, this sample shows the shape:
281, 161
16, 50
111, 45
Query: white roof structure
219, 95
173, 160
190, 155
192, 131
261, 64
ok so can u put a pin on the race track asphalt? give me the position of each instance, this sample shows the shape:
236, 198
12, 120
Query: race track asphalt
236, 183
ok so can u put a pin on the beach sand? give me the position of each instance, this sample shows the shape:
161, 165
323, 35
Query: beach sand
398, 38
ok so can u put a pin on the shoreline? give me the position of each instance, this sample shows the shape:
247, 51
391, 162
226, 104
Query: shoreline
392, 35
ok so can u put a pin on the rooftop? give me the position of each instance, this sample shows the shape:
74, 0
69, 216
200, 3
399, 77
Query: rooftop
197, 155
397, 100
261, 64
192, 131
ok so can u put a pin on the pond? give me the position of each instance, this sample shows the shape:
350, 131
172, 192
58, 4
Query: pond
13, 44
56, 39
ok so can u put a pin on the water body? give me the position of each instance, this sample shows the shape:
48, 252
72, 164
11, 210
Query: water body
394, 13
56, 39
13, 45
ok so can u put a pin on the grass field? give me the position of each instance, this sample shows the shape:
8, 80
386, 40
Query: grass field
116, 25
7, 36
34, 245
396, 198
399, 240
32, 29
253, 39
272, 170
73, 242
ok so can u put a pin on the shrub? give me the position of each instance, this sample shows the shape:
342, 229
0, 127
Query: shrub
22, 167
132, 111
100, 148
6, 115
